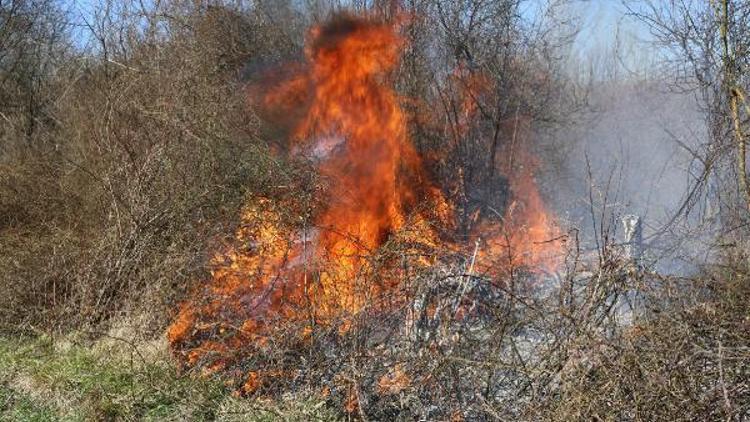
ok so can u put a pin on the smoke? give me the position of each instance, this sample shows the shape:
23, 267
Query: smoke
630, 153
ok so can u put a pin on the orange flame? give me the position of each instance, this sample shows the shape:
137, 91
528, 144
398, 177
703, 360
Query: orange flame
526, 235
353, 126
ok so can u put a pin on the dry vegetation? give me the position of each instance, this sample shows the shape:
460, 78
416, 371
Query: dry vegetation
125, 164
130, 165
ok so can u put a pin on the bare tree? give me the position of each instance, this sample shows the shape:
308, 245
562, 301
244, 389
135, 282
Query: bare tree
483, 71
707, 46
33, 39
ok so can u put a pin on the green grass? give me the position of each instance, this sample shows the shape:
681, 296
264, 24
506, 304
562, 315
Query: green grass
44, 380
18, 406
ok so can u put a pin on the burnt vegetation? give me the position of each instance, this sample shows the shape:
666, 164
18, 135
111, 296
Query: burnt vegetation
382, 211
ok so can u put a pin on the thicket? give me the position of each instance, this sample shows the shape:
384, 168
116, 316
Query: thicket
117, 170
124, 165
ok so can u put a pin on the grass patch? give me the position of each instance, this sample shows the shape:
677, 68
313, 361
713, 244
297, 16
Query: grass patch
45, 380
16, 405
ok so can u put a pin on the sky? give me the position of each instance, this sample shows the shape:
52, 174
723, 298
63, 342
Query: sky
603, 24
607, 32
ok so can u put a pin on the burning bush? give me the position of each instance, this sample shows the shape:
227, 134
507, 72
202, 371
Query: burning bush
285, 294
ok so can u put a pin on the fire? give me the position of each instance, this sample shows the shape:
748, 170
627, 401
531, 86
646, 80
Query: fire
356, 130
527, 235
275, 276
355, 126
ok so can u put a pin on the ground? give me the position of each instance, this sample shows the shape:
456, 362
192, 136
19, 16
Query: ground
46, 379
